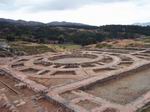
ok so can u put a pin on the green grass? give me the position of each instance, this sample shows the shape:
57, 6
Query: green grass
103, 45
30, 48
35, 48
146, 40
63, 47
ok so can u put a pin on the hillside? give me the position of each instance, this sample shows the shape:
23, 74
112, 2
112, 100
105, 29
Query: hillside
142, 24
65, 32
52, 24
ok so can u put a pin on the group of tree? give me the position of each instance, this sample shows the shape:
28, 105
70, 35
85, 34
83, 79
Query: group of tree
71, 34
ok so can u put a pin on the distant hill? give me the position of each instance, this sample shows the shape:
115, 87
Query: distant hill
52, 24
67, 32
142, 24
20, 22
64, 23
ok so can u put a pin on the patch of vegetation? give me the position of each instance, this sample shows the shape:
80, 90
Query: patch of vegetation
145, 39
146, 108
116, 43
103, 45
30, 49
63, 47
77, 35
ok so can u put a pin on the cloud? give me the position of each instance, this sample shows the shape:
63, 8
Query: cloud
95, 12
8, 5
40, 5
71, 4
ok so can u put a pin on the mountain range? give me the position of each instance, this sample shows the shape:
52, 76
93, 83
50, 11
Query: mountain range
54, 23
33, 23
142, 24
67, 32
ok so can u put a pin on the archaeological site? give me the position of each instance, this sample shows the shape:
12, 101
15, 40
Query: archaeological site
86, 80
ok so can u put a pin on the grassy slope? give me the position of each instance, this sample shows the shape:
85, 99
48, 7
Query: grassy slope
141, 42
63, 47
35, 48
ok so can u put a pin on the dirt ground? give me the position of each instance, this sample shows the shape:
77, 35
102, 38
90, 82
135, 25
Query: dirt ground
124, 90
27, 96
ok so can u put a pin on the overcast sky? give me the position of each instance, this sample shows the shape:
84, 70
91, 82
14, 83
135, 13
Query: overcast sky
94, 12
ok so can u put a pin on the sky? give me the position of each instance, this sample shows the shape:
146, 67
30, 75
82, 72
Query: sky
92, 12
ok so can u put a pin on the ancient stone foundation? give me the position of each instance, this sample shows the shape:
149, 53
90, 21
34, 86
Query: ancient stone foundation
97, 80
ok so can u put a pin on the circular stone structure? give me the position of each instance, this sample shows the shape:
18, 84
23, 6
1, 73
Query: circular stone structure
78, 78
78, 58
70, 65
71, 60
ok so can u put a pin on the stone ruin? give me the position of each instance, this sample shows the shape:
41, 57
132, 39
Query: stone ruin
95, 80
